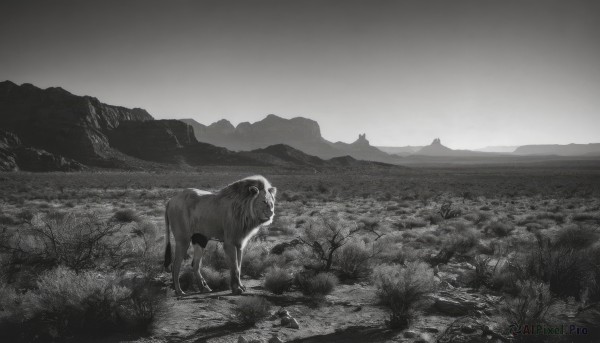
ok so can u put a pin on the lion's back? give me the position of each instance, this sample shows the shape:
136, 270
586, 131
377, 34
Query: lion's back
195, 211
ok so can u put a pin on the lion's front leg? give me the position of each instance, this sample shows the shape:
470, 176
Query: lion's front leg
234, 270
240, 254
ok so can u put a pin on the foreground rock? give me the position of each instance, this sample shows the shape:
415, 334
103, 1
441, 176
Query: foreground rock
470, 330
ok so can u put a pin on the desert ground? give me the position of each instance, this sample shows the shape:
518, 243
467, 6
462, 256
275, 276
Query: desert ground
421, 254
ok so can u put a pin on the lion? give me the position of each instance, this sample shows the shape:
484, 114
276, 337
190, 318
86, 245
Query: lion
233, 215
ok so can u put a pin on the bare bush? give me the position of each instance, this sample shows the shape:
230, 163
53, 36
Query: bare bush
531, 305
569, 272
325, 237
447, 212
78, 241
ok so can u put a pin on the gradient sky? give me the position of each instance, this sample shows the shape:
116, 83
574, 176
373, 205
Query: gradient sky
474, 73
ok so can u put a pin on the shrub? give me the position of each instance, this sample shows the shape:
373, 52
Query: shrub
477, 217
254, 261
126, 216
79, 242
531, 305
278, 280
461, 241
214, 256
577, 236
569, 272
582, 217
447, 212
498, 228
86, 304
353, 260
411, 223
325, 237
559, 218
251, 310
316, 285
403, 290
216, 280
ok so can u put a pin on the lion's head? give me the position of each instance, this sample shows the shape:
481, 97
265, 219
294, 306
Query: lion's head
256, 198
263, 203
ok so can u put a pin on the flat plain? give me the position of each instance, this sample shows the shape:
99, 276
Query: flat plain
421, 254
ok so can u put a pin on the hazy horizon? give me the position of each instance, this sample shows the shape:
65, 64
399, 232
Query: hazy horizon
472, 73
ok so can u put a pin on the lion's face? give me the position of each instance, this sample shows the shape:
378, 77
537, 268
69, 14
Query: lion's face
264, 204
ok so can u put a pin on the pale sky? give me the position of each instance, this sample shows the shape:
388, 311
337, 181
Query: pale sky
474, 73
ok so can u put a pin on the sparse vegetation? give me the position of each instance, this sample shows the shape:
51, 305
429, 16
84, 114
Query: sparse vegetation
251, 310
512, 237
316, 285
354, 260
403, 290
278, 280
126, 216
325, 237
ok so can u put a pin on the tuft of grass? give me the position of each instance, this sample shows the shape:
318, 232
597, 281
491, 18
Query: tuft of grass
86, 304
577, 236
533, 304
251, 310
499, 228
216, 280
278, 280
126, 216
403, 289
354, 260
254, 261
316, 285
411, 223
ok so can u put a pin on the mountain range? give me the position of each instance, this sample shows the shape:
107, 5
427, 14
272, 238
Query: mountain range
52, 129
300, 133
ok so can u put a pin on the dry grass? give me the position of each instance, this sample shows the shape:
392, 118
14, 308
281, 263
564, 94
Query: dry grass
394, 217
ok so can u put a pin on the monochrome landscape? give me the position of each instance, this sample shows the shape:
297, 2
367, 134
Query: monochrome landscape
380, 172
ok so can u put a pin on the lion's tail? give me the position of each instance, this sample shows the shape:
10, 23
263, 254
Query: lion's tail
167, 240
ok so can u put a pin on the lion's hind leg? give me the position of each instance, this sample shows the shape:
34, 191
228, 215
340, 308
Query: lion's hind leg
199, 243
181, 247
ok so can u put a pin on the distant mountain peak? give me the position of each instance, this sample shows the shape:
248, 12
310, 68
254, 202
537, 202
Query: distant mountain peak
222, 126
362, 140
435, 149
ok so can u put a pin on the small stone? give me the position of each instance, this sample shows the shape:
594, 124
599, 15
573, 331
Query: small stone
242, 340
285, 321
410, 334
294, 324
